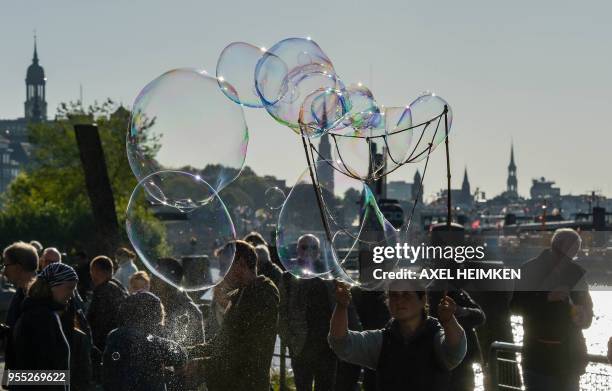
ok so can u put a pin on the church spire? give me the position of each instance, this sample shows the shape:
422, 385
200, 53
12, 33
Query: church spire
35, 57
466, 192
512, 181
35, 105
466, 181
417, 191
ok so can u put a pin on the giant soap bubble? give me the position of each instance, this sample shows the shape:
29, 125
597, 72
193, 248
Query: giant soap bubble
302, 242
363, 107
182, 121
376, 232
198, 237
322, 110
428, 121
376, 149
290, 71
235, 69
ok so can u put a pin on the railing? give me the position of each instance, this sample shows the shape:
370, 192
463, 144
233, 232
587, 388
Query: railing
504, 369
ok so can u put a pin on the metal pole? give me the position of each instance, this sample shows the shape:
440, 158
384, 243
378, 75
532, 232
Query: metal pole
315, 186
492, 368
448, 172
283, 370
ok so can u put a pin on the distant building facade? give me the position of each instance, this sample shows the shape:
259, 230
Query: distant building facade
325, 170
14, 146
400, 190
543, 189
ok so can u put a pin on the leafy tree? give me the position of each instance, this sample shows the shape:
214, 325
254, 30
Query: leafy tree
48, 201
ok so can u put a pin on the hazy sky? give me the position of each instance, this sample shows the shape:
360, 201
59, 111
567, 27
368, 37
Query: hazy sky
538, 73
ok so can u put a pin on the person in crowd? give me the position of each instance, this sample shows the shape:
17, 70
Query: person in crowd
49, 255
554, 300
348, 374
414, 352
75, 326
85, 285
265, 266
125, 261
469, 315
136, 357
305, 310
81, 355
108, 294
39, 247
239, 356
139, 282
184, 321
255, 239
373, 314
220, 299
20, 261
40, 341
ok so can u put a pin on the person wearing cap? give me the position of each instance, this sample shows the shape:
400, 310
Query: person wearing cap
20, 261
413, 352
553, 298
40, 341
184, 320
136, 356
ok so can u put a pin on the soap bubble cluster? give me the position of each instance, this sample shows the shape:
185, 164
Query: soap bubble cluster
330, 216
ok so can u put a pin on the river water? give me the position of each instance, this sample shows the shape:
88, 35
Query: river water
596, 336
599, 376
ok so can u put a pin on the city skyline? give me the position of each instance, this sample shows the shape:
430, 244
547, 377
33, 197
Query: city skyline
539, 97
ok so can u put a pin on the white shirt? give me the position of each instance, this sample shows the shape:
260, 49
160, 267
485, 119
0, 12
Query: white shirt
124, 272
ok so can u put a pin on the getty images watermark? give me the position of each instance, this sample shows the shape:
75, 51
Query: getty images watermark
402, 253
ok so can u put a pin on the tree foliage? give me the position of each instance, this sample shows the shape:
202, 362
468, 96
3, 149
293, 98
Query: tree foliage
48, 200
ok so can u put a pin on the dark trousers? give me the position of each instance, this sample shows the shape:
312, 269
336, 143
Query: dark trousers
535, 381
347, 376
317, 369
369, 380
462, 377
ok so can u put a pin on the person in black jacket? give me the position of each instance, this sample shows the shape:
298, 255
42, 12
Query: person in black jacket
108, 295
414, 351
40, 341
239, 356
19, 267
554, 300
136, 356
82, 268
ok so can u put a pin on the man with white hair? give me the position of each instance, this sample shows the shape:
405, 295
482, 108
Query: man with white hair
50, 255
553, 298
306, 305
